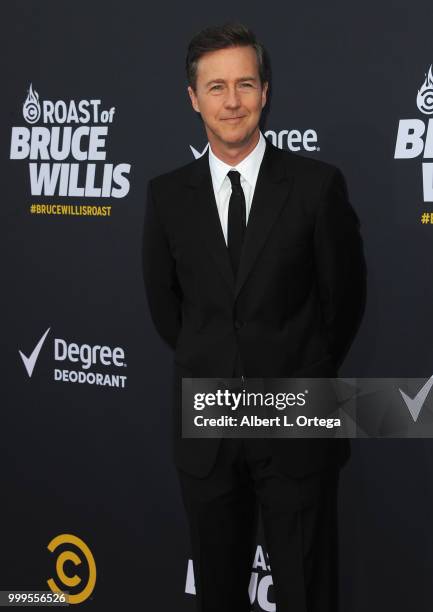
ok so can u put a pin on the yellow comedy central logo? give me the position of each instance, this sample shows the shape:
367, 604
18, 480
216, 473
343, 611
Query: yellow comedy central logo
71, 555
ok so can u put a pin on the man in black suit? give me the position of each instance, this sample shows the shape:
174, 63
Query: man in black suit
254, 267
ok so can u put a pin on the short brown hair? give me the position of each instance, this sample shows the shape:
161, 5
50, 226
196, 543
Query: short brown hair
220, 37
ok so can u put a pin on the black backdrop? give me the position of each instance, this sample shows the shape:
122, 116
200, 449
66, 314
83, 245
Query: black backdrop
94, 460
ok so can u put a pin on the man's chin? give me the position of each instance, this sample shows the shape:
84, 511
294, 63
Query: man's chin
234, 138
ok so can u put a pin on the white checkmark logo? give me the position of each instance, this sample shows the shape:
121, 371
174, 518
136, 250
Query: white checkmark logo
196, 153
415, 404
30, 361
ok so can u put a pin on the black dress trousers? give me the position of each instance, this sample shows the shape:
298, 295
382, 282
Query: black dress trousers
299, 523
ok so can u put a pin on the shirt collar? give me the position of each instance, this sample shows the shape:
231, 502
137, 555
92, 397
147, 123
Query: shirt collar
248, 167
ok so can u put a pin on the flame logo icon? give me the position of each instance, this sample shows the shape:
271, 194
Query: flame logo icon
71, 556
424, 99
31, 107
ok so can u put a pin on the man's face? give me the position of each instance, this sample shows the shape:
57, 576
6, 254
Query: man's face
229, 95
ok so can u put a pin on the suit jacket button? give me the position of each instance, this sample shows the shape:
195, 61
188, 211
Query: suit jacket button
238, 324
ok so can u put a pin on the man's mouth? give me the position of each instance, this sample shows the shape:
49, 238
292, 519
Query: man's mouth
233, 118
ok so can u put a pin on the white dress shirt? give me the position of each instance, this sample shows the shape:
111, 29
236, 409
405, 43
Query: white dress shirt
248, 169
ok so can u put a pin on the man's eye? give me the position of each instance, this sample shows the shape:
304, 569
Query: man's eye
214, 87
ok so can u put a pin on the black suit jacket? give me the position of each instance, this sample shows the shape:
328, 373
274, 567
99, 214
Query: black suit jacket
297, 301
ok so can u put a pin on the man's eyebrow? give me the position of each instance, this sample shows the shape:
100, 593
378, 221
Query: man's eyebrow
245, 78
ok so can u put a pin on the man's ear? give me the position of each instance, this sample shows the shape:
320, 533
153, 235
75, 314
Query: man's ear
193, 99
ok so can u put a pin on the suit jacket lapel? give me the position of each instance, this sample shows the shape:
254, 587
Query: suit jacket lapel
271, 193
208, 224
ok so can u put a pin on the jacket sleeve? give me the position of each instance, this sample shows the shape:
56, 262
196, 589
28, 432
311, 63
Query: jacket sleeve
162, 288
340, 265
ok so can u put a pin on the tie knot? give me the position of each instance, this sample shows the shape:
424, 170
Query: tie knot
235, 178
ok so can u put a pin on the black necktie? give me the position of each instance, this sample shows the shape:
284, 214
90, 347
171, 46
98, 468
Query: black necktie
236, 220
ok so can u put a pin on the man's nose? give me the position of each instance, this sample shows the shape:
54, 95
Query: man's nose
232, 99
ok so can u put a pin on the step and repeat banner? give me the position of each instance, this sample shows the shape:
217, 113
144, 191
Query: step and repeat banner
93, 104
